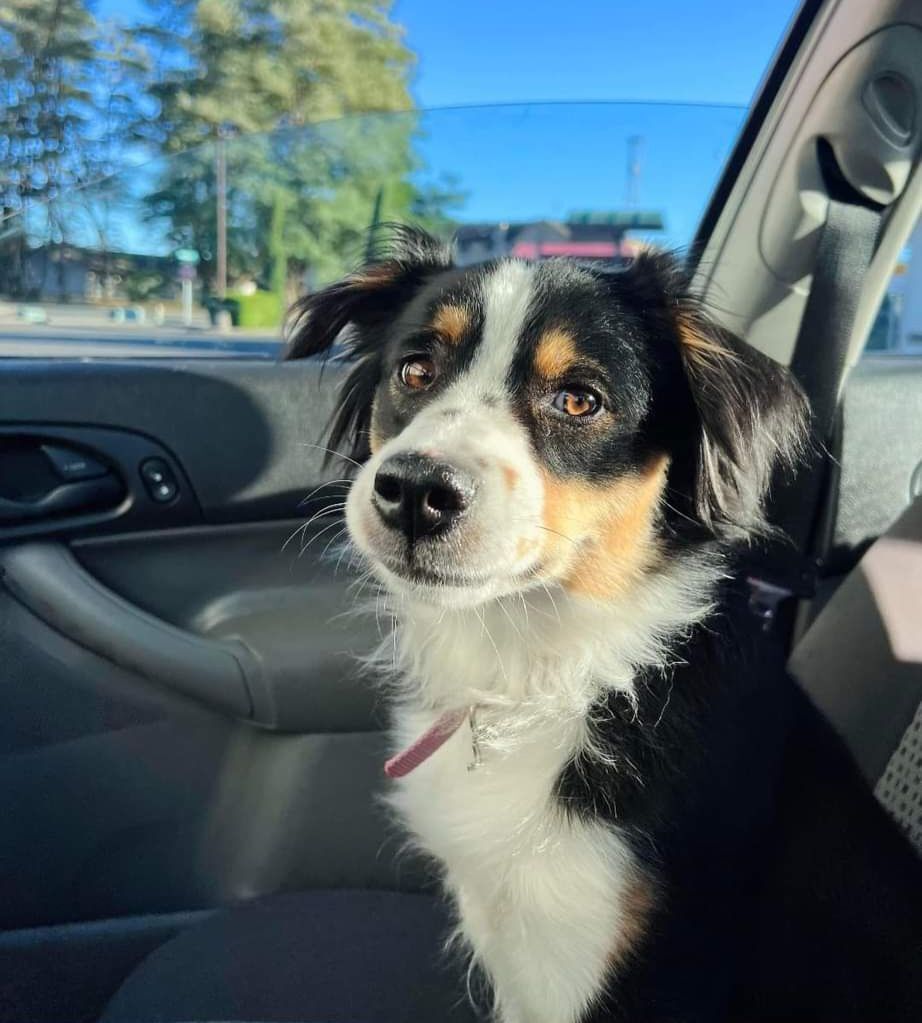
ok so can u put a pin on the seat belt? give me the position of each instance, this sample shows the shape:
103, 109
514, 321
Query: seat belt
787, 568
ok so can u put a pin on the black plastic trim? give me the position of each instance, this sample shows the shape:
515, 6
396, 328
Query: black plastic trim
122, 452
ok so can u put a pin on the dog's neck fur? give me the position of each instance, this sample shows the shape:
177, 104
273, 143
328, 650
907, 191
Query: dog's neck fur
536, 670
544, 653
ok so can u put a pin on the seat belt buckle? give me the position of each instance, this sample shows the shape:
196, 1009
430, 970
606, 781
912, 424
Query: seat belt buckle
765, 599
766, 595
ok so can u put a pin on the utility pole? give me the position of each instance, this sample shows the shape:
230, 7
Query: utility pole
632, 181
221, 190
373, 228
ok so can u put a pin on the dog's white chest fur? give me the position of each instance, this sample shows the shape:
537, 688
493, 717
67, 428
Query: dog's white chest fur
542, 897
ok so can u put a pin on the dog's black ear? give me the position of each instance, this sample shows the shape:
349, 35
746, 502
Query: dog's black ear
365, 302
752, 416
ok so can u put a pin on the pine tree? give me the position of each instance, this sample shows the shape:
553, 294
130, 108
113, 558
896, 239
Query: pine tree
256, 65
281, 78
120, 67
71, 96
46, 55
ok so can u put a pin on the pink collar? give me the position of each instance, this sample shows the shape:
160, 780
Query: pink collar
402, 763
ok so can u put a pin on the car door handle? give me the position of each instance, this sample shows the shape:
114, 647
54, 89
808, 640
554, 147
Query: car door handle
222, 673
63, 499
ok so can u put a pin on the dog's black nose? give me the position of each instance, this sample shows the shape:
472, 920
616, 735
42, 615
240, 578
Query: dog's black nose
419, 496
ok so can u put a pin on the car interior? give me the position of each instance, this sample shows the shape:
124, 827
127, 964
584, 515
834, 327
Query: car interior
190, 752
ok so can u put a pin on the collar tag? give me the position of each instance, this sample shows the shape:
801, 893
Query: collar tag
476, 751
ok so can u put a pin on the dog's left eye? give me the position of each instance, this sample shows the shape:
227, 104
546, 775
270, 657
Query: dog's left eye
416, 372
576, 402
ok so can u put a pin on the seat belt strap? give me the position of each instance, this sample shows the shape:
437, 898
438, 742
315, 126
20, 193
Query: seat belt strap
846, 245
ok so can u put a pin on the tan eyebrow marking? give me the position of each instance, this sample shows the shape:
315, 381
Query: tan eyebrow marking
556, 353
451, 322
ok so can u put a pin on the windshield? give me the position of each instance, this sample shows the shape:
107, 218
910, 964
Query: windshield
203, 251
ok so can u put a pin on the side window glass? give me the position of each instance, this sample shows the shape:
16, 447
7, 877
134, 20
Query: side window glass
898, 327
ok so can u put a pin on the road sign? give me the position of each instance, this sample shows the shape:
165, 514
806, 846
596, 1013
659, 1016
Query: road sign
644, 220
189, 256
187, 272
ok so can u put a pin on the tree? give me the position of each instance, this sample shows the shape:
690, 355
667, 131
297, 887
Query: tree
281, 78
72, 93
256, 65
46, 57
119, 67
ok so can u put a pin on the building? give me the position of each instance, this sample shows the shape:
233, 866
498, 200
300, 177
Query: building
585, 236
60, 272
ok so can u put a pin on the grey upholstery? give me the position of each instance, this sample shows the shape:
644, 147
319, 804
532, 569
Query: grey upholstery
861, 662
900, 787
315, 957
376, 957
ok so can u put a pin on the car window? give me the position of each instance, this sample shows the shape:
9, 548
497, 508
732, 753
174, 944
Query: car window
174, 172
897, 329
129, 265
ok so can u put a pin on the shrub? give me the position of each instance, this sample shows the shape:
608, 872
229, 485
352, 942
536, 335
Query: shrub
261, 309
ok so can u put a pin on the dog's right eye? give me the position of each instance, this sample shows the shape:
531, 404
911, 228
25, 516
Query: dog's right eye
416, 373
576, 402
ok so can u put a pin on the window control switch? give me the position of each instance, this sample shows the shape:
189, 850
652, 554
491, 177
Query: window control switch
159, 480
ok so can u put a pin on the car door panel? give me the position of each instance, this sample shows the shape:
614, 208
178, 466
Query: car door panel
125, 789
292, 607
246, 434
61, 479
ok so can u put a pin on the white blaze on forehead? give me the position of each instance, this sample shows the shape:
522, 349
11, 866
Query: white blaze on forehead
470, 425
507, 293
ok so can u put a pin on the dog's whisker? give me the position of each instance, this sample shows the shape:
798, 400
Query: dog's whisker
348, 549
489, 635
304, 525
537, 610
537, 522
316, 490
521, 597
550, 597
332, 508
318, 534
563, 536
332, 452
327, 509
681, 514
300, 529
505, 611
333, 540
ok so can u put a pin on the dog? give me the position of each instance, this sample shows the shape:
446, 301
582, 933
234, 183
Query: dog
636, 813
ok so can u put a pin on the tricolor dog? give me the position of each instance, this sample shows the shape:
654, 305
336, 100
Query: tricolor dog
636, 814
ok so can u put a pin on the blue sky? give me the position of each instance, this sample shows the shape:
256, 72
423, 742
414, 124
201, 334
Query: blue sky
482, 51
523, 163
490, 51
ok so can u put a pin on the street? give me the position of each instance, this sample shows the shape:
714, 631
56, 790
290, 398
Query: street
81, 338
